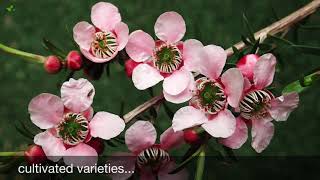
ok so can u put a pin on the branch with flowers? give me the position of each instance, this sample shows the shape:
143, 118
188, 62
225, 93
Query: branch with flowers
226, 93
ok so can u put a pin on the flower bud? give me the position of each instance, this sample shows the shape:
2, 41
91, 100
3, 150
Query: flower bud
35, 155
191, 136
246, 65
129, 66
52, 64
74, 60
97, 144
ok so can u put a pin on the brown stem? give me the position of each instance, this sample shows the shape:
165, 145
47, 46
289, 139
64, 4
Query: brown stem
277, 27
281, 25
143, 107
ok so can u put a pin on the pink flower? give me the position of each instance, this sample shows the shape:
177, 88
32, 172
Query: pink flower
167, 59
108, 36
151, 159
259, 107
69, 123
211, 96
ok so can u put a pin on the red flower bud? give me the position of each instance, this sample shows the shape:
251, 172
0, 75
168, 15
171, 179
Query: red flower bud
129, 66
74, 60
246, 65
52, 65
35, 155
191, 136
97, 144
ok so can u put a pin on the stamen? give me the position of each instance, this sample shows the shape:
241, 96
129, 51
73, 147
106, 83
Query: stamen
208, 96
167, 58
73, 129
104, 45
154, 157
255, 104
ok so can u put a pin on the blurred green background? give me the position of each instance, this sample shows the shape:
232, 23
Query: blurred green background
210, 21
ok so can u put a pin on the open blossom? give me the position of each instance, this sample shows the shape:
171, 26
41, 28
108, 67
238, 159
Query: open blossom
259, 107
101, 42
211, 96
148, 158
69, 123
167, 59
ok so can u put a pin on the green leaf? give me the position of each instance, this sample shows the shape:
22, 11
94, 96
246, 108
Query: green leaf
110, 143
230, 153
53, 48
200, 165
308, 49
168, 110
310, 27
245, 41
255, 47
153, 112
249, 28
185, 162
302, 84
280, 40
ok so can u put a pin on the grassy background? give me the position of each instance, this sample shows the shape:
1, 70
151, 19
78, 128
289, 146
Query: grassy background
210, 21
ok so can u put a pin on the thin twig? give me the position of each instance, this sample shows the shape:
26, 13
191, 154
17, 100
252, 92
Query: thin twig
280, 26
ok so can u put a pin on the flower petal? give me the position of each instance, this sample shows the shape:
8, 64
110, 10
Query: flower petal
122, 32
184, 96
46, 110
187, 117
105, 16
212, 60
106, 125
177, 82
88, 113
238, 138
282, 106
126, 160
262, 132
233, 81
77, 95
140, 46
246, 84
92, 58
83, 34
164, 173
170, 27
140, 135
170, 139
223, 125
81, 155
53, 147
191, 50
264, 70
145, 76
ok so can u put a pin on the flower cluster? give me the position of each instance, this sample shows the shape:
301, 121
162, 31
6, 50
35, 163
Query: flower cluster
70, 124
222, 102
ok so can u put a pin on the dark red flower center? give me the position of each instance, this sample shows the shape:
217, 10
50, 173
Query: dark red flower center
73, 129
167, 58
104, 45
208, 96
255, 104
153, 158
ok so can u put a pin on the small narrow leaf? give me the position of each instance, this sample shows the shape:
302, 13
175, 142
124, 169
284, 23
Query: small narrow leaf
315, 50
280, 40
255, 47
53, 48
245, 41
249, 28
185, 162
168, 110
302, 84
